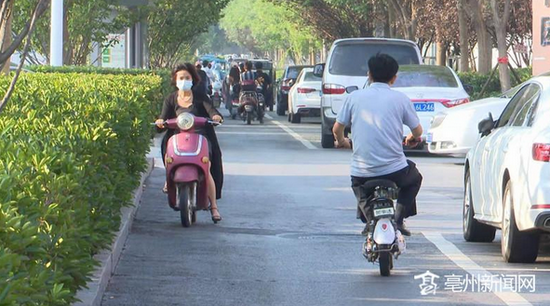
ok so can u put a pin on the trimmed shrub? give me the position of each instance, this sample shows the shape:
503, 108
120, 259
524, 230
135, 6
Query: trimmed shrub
165, 74
72, 148
477, 81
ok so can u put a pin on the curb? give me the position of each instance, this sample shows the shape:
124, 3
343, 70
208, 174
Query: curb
108, 259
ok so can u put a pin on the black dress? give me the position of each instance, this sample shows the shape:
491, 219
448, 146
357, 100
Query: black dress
201, 107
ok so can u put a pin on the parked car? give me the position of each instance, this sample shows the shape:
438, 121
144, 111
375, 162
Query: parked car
506, 175
347, 66
288, 79
431, 89
454, 131
304, 99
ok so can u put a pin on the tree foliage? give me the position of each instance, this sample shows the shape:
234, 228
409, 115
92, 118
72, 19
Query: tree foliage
174, 25
86, 22
263, 27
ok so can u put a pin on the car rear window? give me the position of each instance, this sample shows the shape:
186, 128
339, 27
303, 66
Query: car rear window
293, 72
310, 77
425, 76
351, 59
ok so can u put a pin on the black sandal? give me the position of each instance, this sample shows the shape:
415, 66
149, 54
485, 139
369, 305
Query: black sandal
217, 218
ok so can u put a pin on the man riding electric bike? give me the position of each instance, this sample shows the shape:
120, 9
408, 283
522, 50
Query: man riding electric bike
376, 116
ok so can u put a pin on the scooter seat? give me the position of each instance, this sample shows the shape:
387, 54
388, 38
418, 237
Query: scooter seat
370, 186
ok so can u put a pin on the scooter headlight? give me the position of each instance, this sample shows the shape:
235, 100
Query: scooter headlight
186, 121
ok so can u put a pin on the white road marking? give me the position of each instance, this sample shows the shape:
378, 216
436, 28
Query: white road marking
296, 136
468, 265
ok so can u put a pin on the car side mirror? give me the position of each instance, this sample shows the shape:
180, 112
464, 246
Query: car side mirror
486, 125
318, 70
469, 89
351, 89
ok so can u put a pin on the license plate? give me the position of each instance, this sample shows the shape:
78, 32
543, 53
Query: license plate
424, 107
383, 211
429, 138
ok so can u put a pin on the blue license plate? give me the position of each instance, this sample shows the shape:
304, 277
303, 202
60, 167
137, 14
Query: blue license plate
424, 107
429, 138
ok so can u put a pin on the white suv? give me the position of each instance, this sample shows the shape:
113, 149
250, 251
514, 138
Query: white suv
348, 65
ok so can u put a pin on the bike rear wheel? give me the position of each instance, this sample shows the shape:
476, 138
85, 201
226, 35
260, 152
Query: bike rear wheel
386, 262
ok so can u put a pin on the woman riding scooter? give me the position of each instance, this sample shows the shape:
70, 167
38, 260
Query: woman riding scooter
190, 98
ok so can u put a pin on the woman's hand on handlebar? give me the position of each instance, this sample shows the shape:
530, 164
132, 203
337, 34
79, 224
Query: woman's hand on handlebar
160, 123
217, 118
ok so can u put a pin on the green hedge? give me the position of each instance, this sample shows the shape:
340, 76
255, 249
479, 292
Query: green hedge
72, 149
164, 73
493, 89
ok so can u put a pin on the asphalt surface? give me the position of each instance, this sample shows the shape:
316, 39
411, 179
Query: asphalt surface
289, 236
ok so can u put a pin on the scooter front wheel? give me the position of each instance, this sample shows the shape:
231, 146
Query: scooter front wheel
184, 198
386, 263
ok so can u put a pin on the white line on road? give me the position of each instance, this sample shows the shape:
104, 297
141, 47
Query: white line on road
296, 136
468, 265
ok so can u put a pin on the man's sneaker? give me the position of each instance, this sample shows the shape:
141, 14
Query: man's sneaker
404, 231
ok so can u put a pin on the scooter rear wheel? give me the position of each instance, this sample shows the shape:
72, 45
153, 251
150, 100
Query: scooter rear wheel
385, 261
249, 118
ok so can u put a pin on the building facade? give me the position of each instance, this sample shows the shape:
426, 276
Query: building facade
541, 36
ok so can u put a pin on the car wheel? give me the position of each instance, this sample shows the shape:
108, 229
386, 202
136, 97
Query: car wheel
473, 230
327, 141
280, 109
516, 246
296, 118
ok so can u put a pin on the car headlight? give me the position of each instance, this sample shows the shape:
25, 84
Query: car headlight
186, 121
438, 119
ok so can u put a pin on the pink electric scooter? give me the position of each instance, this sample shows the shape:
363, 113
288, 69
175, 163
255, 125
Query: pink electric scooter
187, 158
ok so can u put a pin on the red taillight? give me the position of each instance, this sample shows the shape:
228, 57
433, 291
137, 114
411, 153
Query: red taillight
453, 103
541, 152
332, 89
305, 90
285, 88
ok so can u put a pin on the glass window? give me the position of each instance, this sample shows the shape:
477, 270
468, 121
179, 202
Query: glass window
351, 59
425, 76
310, 77
293, 72
525, 111
510, 108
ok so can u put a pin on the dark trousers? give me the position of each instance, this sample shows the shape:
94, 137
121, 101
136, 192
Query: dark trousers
407, 179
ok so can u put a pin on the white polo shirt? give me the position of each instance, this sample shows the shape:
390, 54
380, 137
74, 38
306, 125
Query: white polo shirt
376, 116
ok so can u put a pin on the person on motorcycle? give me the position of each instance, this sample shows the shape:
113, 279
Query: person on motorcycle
265, 81
188, 98
376, 116
248, 78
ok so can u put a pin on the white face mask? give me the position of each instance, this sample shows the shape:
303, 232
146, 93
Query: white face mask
184, 85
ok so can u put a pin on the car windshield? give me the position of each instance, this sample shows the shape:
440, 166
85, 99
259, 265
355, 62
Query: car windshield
293, 72
265, 65
351, 59
310, 77
425, 76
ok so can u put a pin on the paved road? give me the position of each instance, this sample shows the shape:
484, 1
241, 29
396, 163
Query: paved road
290, 237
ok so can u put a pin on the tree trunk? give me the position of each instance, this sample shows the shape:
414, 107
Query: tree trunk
441, 57
501, 23
485, 47
463, 31
5, 37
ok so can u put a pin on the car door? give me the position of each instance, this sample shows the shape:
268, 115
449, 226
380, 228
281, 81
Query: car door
506, 152
495, 151
481, 165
